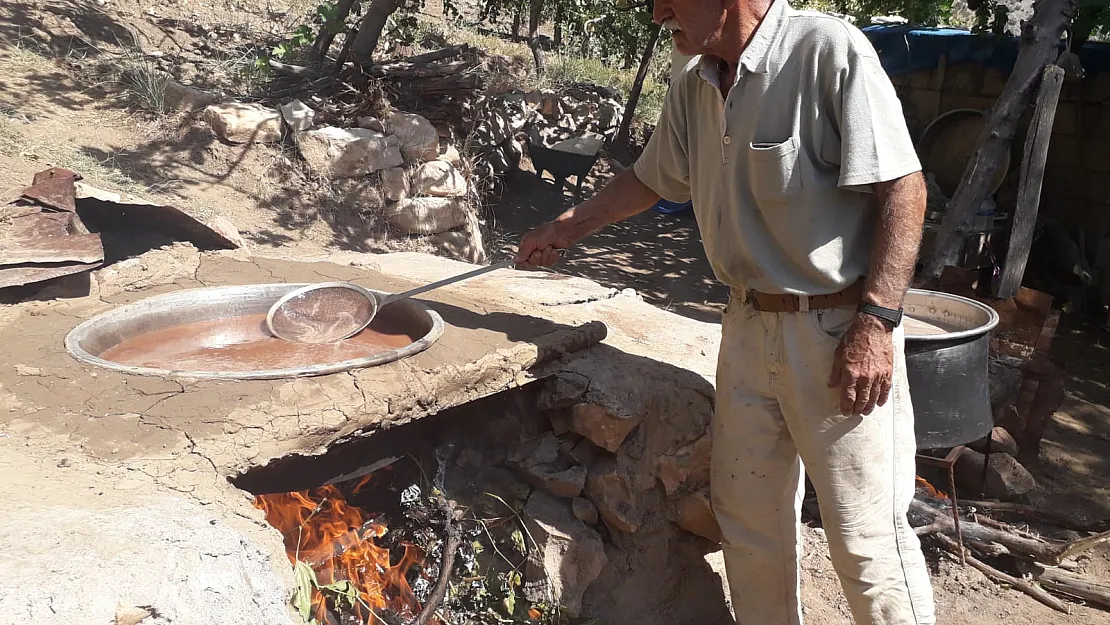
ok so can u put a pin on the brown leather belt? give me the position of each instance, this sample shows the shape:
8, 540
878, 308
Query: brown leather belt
783, 303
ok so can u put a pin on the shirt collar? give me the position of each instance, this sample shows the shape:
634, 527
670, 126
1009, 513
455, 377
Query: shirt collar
754, 57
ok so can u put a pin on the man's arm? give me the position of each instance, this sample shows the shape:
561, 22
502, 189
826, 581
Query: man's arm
622, 198
897, 240
864, 362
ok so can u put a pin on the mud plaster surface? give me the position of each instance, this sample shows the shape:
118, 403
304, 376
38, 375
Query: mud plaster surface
174, 442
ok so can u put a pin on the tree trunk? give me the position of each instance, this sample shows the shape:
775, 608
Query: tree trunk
324, 40
637, 87
1039, 38
535, 18
518, 19
370, 30
559, 27
537, 55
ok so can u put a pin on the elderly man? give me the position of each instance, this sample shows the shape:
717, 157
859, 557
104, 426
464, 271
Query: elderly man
789, 138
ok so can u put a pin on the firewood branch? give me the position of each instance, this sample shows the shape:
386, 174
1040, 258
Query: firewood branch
1032, 590
1029, 548
446, 564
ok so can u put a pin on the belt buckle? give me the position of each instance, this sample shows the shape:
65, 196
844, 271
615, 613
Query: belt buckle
753, 300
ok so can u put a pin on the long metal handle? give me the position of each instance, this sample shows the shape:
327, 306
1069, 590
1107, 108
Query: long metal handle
435, 285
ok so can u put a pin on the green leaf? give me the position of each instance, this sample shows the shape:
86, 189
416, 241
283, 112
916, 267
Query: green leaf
303, 35
518, 542
508, 604
281, 50
343, 591
515, 579
304, 579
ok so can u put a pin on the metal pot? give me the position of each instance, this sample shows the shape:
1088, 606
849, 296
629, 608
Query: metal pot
947, 368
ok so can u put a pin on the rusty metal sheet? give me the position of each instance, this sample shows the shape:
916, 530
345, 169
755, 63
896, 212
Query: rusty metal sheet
27, 274
136, 215
54, 188
45, 238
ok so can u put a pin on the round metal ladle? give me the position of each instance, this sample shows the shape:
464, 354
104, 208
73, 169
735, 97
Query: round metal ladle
332, 311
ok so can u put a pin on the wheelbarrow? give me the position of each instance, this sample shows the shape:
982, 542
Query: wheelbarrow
562, 163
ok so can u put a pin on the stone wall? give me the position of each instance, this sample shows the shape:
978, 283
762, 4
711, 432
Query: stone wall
1077, 179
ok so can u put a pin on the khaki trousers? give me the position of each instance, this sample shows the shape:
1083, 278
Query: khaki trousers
775, 411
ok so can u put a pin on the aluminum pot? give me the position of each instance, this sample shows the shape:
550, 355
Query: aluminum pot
947, 370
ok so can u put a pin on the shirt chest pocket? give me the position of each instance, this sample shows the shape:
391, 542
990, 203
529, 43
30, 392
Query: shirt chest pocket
774, 171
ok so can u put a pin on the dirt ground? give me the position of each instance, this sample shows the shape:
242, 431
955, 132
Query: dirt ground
55, 111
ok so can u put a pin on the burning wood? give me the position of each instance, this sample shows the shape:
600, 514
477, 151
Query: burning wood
418, 559
321, 529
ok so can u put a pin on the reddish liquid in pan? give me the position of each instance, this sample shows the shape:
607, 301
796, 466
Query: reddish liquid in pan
243, 344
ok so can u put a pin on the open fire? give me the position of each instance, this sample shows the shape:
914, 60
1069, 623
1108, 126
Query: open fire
325, 532
931, 490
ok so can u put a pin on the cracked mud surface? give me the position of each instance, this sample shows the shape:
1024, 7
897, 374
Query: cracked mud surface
137, 447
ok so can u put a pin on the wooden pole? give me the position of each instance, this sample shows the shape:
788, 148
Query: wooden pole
1040, 37
637, 87
1029, 187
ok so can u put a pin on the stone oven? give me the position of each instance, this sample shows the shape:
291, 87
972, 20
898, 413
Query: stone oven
136, 498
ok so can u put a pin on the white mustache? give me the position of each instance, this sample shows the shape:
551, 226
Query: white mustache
672, 25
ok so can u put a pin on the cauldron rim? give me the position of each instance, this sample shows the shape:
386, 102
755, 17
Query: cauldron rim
992, 318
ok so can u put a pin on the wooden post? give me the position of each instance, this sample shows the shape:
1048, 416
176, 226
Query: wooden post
1040, 37
1029, 187
637, 87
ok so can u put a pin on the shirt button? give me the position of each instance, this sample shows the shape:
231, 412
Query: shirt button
728, 140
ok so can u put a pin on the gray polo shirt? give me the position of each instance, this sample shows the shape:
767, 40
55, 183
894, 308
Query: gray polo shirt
780, 171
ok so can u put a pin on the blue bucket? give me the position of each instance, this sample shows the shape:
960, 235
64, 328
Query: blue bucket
671, 208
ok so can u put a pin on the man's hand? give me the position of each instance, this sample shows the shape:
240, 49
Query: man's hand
541, 247
623, 197
863, 366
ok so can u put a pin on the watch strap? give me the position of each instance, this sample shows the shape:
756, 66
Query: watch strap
894, 317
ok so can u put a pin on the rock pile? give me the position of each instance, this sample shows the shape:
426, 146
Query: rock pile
402, 171
615, 487
577, 119
425, 175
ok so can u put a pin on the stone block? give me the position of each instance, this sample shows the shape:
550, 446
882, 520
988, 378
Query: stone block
371, 123
395, 184
180, 97
347, 153
1001, 442
439, 179
694, 513
298, 115
687, 468
451, 155
465, 245
1006, 478
561, 483
603, 427
427, 215
571, 554
419, 138
611, 490
585, 511
562, 391
244, 123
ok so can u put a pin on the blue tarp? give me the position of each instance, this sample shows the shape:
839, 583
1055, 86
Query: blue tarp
905, 49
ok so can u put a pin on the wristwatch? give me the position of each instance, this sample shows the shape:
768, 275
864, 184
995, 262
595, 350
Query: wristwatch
890, 315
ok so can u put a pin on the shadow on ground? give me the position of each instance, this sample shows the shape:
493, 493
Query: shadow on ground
660, 256
1075, 452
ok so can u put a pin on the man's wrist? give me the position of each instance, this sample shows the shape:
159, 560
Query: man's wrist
874, 323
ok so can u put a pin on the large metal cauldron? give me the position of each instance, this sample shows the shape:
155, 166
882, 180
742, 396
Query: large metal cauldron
946, 361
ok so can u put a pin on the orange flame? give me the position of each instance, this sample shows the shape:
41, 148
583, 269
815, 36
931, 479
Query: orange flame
322, 530
929, 488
